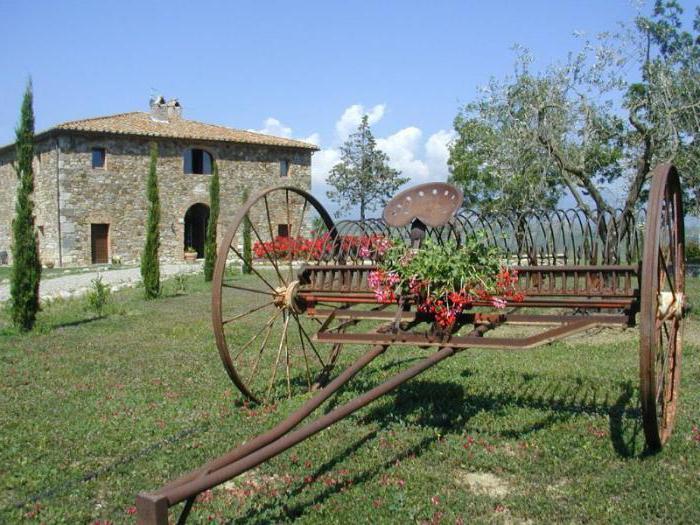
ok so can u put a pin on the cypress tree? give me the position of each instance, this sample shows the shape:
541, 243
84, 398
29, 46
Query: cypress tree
26, 266
210, 246
150, 265
247, 264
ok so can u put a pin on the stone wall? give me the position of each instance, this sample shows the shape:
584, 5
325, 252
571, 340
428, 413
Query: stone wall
116, 194
45, 208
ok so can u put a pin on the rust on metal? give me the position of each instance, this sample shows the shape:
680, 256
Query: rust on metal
310, 298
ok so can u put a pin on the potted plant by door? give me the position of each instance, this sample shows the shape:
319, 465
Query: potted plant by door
190, 254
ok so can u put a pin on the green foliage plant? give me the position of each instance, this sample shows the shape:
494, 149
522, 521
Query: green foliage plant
150, 265
98, 296
363, 177
599, 121
26, 265
210, 243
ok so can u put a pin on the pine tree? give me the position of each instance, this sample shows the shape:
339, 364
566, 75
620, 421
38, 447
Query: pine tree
150, 265
26, 266
363, 177
210, 246
247, 263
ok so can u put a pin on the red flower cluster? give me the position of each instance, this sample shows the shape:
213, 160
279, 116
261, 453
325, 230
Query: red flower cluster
383, 284
296, 247
365, 246
446, 307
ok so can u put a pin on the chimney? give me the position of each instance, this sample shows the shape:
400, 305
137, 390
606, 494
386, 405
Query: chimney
159, 111
174, 109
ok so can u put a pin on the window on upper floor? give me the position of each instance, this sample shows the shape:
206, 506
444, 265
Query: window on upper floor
98, 157
284, 168
197, 162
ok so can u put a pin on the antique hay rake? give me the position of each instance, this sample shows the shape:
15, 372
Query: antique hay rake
576, 271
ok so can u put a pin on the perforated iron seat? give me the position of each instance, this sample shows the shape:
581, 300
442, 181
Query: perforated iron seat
434, 204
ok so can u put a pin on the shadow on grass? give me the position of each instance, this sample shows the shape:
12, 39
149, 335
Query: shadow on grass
79, 322
445, 406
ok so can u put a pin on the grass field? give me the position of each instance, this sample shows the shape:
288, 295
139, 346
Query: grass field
92, 411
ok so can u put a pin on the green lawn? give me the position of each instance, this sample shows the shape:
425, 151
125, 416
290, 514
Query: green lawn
94, 411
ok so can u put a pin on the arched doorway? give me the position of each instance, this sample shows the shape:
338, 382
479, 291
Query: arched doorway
196, 219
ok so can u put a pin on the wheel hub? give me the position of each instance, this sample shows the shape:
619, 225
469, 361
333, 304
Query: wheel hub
286, 297
670, 306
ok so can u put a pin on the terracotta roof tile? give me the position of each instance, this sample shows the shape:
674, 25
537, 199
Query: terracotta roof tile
139, 123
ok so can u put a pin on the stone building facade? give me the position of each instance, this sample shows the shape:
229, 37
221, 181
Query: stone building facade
90, 182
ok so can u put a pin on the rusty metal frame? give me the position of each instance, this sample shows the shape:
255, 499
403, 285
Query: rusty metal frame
567, 260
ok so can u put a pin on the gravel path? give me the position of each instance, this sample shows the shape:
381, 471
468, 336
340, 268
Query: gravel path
75, 285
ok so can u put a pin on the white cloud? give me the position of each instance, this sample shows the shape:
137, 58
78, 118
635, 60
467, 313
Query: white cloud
321, 164
352, 116
418, 159
272, 126
314, 138
437, 152
402, 148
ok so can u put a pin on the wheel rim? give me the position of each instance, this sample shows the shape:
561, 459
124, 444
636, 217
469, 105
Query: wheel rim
263, 337
663, 298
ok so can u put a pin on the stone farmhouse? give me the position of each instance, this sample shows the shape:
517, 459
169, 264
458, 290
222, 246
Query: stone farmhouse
90, 182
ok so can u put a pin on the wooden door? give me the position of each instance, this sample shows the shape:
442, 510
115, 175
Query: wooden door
99, 235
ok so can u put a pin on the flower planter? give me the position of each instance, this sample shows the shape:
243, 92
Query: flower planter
190, 257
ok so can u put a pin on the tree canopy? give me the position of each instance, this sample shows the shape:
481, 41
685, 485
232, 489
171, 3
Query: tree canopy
363, 177
584, 126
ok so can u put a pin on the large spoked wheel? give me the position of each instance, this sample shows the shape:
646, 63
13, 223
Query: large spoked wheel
262, 334
662, 306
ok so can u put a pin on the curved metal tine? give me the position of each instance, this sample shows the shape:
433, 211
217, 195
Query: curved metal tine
539, 221
553, 236
500, 239
577, 235
586, 237
269, 258
563, 225
570, 239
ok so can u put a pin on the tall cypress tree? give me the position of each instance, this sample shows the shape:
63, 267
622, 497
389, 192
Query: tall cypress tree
150, 266
247, 263
210, 246
26, 266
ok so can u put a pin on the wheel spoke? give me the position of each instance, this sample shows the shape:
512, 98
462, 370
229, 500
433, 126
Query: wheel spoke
279, 354
311, 343
306, 359
257, 334
253, 290
255, 309
263, 345
669, 279
290, 255
238, 254
269, 258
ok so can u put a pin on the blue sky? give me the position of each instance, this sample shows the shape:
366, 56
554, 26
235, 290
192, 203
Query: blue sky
302, 69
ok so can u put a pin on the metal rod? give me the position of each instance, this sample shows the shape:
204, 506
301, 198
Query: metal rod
206, 482
285, 426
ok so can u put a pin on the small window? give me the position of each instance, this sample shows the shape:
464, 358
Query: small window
284, 168
283, 230
197, 162
98, 157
